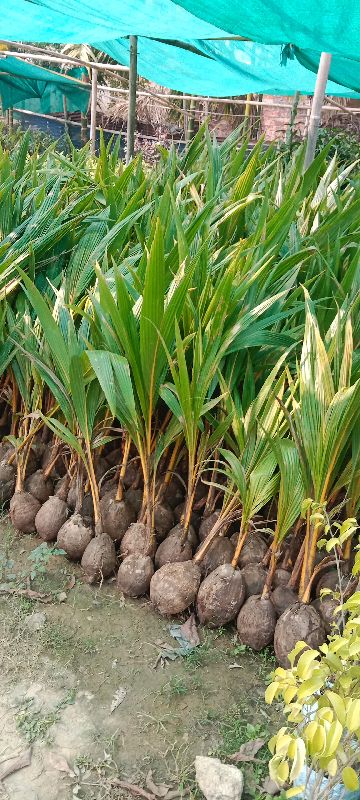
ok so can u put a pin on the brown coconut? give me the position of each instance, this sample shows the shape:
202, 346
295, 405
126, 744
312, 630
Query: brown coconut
173, 587
137, 540
220, 552
254, 577
174, 494
254, 549
7, 481
329, 610
282, 598
163, 520
281, 577
256, 622
31, 464
194, 517
87, 508
23, 510
220, 596
135, 498
299, 623
72, 495
171, 550
207, 525
134, 575
39, 486
191, 535
131, 474
328, 580
99, 559
74, 536
116, 515
50, 518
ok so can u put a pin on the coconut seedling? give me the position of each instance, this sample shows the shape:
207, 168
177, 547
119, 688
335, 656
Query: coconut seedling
63, 365
323, 419
130, 361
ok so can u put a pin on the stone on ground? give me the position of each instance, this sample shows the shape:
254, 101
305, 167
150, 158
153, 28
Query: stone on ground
218, 781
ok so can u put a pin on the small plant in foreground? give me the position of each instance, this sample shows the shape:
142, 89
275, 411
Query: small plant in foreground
321, 696
36, 725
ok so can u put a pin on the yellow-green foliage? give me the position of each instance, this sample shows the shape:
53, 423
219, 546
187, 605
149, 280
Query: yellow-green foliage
321, 696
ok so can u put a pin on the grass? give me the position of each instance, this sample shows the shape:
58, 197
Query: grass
34, 724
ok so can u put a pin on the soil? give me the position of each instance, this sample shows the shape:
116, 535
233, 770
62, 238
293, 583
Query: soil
63, 662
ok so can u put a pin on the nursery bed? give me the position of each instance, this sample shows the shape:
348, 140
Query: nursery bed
60, 672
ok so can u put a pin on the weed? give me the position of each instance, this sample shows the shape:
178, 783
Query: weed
40, 557
175, 687
235, 730
58, 637
35, 725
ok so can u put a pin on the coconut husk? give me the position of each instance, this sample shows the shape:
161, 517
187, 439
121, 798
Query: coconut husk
171, 550
330, 613
256, 622
99, 559
254, 577
39, 486
163, 520
174, 494
174, 587
72, 495
74, 537
299, 623
134, 575
131, 475
207, 525
7, 482
23, 510
282, 598
135, 498
220, 596
116, 515
191, 535
254, 549
221, 551
281, 577
137, 541
194, 517
50, 518
87, 509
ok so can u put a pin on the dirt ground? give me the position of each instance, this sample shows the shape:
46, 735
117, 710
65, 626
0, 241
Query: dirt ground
64, 663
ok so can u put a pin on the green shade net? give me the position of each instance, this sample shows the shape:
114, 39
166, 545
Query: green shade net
220, 68
23, 84
311, 26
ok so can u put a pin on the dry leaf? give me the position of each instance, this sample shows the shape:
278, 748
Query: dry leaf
132, 788
57, 761
190, 632
71, 583
15, 763
247, 751
159, 791
118, 698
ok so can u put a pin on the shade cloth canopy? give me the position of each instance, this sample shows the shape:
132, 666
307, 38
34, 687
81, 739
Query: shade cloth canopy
21, 81
221, 68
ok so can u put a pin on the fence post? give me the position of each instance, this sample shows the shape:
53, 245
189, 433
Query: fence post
93, 110
131, 120
316, 108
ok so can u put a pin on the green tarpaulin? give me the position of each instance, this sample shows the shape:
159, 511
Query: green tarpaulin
311, 26
220, 68
21, 82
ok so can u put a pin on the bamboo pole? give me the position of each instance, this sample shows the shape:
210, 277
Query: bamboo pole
10, 118
66, 129
93, 110
191, 120
247, 114
293, 114
131, 121
316, 107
